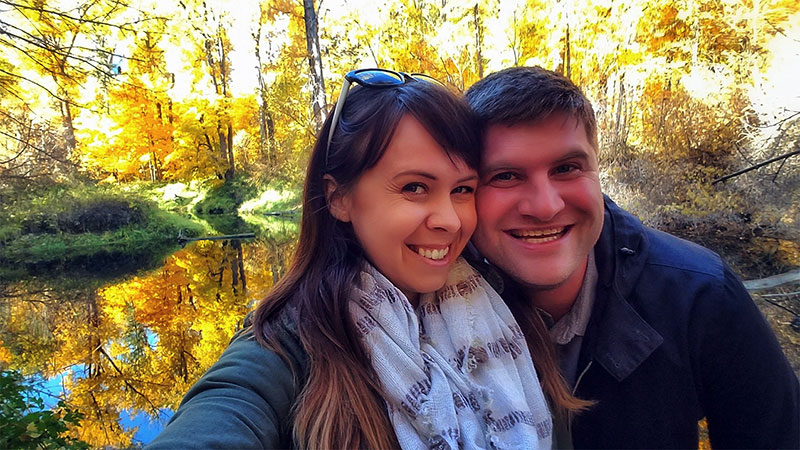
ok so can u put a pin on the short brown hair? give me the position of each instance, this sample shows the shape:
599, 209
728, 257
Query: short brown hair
530, 94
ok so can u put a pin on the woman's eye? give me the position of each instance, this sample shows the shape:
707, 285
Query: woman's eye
414, 188
464, 190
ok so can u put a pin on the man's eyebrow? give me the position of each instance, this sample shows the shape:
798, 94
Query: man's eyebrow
500, 165
575, 153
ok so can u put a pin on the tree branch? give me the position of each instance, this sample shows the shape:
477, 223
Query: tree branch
756, 166
122, 27
773, 281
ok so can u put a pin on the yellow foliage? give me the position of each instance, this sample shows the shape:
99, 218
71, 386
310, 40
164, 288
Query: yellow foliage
5, 356
702, 427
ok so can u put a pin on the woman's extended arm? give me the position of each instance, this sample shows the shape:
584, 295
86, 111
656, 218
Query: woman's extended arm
243, 401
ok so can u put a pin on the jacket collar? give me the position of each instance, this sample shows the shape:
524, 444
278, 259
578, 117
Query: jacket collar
622, 338
617, 337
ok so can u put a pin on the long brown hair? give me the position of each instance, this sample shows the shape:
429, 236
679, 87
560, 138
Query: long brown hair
563, 403
341, 404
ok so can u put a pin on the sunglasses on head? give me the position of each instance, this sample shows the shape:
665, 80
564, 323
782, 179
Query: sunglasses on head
373, 78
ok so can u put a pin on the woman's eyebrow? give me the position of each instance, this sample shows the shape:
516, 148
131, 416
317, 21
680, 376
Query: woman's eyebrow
431, 176
417, 173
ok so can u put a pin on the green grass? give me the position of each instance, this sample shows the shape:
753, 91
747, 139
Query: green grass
229, 208
280, 229
225, 198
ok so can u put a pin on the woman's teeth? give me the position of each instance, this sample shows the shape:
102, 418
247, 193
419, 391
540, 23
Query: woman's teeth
433, 253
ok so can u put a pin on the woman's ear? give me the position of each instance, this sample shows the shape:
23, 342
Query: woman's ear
338, 201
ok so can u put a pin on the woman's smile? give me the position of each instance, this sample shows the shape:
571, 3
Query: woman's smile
436, 253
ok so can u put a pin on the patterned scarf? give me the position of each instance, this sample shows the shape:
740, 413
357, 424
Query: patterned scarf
457, 373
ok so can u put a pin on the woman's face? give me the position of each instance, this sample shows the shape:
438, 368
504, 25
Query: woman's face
414, 211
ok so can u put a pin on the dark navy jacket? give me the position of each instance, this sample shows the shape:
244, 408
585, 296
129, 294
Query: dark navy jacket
675, 337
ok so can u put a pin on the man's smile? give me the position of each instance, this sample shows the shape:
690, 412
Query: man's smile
539, 236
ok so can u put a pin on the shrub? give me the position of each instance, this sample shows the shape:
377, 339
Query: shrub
27, 424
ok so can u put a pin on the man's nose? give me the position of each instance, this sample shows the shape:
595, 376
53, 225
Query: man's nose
541, 199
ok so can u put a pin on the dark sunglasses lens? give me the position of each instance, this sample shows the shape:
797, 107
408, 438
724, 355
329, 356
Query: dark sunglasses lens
377, 78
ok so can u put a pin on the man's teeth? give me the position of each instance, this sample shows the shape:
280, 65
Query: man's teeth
433, 253
547, 235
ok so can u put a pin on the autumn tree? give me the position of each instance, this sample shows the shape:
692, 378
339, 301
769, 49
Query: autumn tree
266, 122
138, 116
288, 115
211, 51
64, 46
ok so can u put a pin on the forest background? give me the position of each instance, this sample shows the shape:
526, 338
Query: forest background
125, 124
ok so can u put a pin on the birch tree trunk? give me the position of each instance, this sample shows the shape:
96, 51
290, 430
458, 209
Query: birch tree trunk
262, 107
69, 129
315, 64
478, 40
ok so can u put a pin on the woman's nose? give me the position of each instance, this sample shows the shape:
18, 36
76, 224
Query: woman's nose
443, 216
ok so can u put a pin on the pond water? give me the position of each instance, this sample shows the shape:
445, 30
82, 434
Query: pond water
124, 351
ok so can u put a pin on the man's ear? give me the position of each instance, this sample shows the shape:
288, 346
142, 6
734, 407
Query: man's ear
338, 201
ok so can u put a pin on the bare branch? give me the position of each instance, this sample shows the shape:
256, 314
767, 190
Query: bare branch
53, 94
123, 27
783, 294
756, 166
773, 281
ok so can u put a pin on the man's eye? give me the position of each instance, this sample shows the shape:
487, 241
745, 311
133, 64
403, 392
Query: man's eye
414, 188
503, 176
464, 190
565, 168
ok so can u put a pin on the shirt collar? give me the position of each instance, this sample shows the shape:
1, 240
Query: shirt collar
574, 323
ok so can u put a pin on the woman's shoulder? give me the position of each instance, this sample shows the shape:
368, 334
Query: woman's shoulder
283, 331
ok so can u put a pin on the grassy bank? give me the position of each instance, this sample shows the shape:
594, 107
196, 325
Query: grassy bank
108, 230
238, 205
91, 228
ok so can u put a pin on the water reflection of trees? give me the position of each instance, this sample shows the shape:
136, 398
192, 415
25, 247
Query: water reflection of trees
137, 344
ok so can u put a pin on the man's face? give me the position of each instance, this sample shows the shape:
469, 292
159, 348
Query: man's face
540, 208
